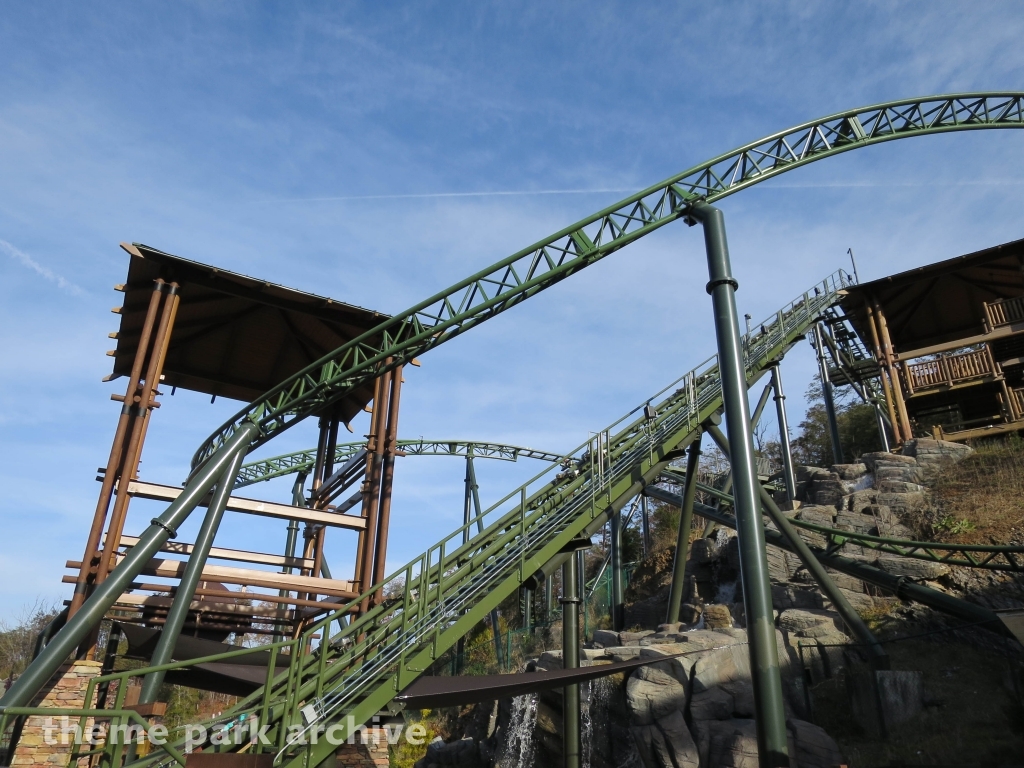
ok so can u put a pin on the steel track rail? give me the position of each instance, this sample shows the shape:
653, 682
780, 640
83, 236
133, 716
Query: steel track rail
303, 461
443, 592
993, 557
541, 265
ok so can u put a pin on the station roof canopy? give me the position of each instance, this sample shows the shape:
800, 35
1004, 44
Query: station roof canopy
235, 336
941, 302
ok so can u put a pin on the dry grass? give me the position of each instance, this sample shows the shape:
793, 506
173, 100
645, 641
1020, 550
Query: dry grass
980, 500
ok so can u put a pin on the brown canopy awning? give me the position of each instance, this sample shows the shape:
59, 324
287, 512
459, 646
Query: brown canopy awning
236, 336
941, 302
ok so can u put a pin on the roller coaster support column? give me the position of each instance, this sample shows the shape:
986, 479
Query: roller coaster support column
826, 393
617, 600
190, 579
770, 714
473, 489
291, 541
780, 411
857, 626
92, 611
683, 539
571, 656
645, 522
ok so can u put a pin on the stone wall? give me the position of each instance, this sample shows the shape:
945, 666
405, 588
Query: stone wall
66, 689
372, 754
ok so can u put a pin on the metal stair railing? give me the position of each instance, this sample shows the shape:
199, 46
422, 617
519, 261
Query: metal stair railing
626, 448
440, 589
427, 604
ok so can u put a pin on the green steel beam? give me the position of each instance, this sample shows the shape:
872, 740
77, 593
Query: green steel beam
302, 461
900, 586
994, 557
450, 588
445, 592
513, 280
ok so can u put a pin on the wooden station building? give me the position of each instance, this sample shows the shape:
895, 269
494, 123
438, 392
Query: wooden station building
947, 341
196, 327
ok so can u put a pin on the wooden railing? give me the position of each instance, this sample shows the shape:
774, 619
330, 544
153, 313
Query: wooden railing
1004, 311
948, 369
1017, 395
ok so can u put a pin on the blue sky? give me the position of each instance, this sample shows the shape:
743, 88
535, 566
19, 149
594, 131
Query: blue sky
378, 152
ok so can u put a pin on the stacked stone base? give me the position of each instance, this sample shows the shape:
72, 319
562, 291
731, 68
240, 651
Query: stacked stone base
66, 689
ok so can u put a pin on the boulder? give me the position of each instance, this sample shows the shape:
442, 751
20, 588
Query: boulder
717, 616
624, 654
713, 704
721, 666
730, 744
906, 473
859, 500
811, 746
850, 472
885, 459
653, 693
898, 486
817, 514
679, 742
828, 491
633, 638
605, 638
902, 503
863, 602
856, 522
742, 694
781, 564
933, 455
549, 719
911, 568
797, 620
785, 596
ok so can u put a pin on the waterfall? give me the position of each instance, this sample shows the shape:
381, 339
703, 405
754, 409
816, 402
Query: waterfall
518, 749
587, 721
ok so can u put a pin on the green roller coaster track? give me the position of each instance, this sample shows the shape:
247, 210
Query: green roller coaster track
993, 557
541, 265
451, 587
439, 596
303, 461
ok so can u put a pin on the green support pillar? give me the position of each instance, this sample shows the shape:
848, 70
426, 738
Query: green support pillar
617, 600
826, 392
683, 538
549, 597
761, 403
473, 488
850, 616
190, 579
780, 412
570, 660
95, 607
645, 522
292, 537
770, 714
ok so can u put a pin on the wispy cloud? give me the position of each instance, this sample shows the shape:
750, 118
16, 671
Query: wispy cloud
626, 190
27, 261
423, 195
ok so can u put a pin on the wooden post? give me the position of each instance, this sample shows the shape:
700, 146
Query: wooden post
883, 374
889, 352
